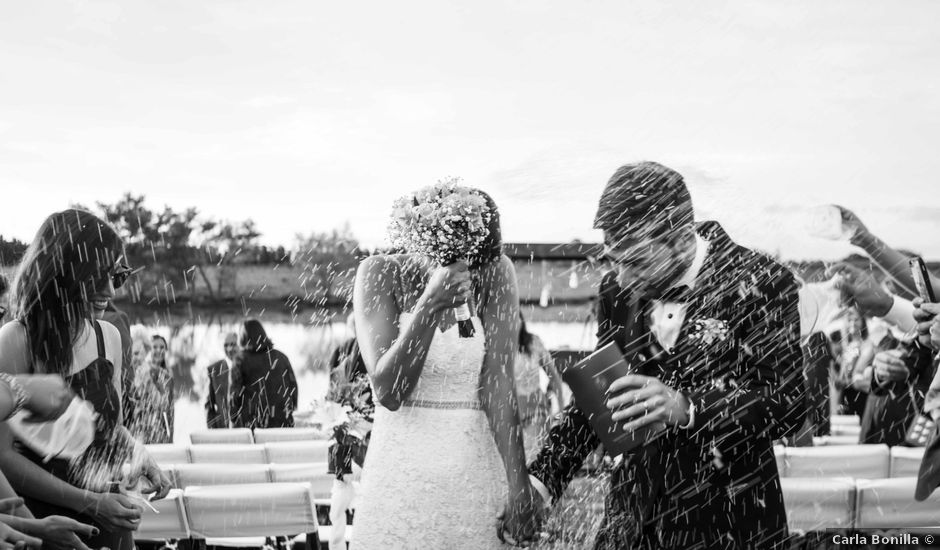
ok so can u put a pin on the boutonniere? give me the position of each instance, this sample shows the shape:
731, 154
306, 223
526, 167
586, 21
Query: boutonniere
709, 331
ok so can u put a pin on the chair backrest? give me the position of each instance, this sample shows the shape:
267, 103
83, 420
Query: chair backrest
274, 435
859, 461
846, 430
293, 452
169, 454
314, 473
228, 454
815, 504
845, 419
828, 440
170, 523
889, 503
905, 461
250, 510
222, 436
221, 474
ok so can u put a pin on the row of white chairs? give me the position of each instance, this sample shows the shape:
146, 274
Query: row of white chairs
268, 453
857, 461
278, 509
245, 436
816, 504
853, 461
232, 511
184, 476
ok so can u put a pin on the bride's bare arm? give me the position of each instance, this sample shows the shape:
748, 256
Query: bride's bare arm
497, 383
394, 356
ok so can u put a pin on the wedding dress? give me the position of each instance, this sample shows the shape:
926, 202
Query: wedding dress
433, 477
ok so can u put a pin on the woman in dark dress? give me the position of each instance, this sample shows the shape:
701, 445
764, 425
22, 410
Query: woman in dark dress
63, 286
266, 394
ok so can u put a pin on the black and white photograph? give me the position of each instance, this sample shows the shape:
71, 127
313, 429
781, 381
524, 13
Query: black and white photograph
440, 275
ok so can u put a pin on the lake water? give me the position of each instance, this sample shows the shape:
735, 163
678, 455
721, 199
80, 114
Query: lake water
193, 345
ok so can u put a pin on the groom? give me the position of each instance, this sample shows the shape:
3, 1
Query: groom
712, 331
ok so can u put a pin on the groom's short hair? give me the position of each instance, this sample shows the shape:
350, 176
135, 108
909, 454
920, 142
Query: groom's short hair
643, 197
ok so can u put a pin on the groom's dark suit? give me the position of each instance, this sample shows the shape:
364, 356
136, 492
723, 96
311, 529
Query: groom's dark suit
714, 484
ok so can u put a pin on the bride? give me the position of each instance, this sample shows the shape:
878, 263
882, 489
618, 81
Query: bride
446, 450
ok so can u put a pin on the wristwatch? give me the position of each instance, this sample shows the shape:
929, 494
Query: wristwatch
20, 397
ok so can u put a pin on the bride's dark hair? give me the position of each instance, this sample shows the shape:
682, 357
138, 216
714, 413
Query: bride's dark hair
492, 247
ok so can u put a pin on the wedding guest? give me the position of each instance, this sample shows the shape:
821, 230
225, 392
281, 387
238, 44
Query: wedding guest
63, 286
720, 391
153, 394
852, 378
267, 397
902, 374
349, 386
222, 386
817, 365
533, 363
45, 397
902, 370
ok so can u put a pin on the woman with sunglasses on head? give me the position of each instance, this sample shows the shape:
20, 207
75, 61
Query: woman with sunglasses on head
63, 286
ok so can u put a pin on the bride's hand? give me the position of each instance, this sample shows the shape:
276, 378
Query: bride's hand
521, 520
448, 287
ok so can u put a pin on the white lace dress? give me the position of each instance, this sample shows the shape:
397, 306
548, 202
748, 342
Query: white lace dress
432, 477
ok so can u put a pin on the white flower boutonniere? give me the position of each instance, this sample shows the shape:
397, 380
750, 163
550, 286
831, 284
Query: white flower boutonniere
709, 331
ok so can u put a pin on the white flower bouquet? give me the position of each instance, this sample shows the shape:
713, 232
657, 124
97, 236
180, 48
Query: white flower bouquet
446, 222
347, 415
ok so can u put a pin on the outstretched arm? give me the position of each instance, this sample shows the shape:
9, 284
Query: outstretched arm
572, 438
887, 258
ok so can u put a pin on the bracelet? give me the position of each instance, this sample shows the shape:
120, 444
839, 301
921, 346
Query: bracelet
20, 397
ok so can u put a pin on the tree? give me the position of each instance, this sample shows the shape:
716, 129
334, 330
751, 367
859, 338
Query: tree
327, 258
174, 245
11, 252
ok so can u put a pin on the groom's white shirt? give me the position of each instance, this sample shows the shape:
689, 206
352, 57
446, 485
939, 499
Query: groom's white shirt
666, 320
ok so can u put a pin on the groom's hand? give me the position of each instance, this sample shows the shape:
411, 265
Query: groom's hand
643, 400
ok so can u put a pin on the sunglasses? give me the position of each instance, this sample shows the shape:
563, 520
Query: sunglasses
120, 274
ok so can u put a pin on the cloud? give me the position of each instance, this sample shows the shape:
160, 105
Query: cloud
265, 101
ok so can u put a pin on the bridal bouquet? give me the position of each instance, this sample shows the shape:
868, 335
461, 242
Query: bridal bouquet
347, 415
446, 222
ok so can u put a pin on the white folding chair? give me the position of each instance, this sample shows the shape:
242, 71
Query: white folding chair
169, 454
254, 510
229, 435
228, 454
889, 503
292, 452
221, 474
905, 461
314, 473
170, 523
780, 457
858, 461
815, 504
275, 435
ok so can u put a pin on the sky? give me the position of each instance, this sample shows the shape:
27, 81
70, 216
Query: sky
305, 116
